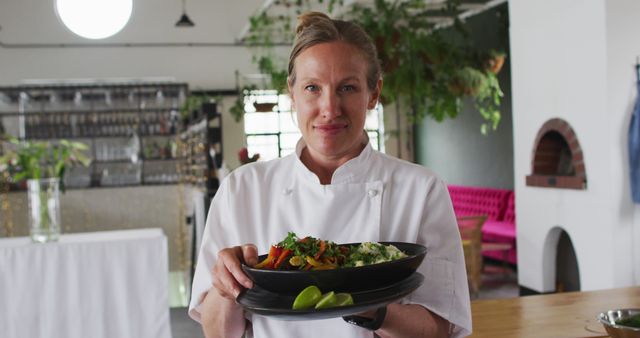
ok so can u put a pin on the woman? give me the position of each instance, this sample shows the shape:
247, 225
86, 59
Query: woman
334, 187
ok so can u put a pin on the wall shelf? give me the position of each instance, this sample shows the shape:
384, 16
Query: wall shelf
130, 128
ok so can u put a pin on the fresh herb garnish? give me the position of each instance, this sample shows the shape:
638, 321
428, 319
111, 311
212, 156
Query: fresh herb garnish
633, 321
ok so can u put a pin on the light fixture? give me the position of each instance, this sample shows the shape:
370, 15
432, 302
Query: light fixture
184, 19
94, 19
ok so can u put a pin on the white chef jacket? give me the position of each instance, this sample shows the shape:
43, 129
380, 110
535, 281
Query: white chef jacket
373, 197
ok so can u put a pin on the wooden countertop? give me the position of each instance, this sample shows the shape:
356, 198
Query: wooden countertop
570, 314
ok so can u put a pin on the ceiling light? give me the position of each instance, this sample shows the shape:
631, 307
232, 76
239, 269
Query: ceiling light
94, 19
184, 19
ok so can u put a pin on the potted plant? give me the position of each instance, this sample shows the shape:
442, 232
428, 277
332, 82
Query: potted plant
494, 61
42, 165
467, 81
188, 110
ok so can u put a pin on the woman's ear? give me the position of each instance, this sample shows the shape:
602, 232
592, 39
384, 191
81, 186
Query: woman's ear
375, 95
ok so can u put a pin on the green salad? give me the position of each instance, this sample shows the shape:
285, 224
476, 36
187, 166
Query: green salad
309, 253
372, 253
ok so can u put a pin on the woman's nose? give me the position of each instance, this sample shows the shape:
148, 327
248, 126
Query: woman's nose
330, 105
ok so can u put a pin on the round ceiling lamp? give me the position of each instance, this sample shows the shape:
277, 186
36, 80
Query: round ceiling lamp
94, 19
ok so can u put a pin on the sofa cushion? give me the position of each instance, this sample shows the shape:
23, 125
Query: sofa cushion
510, 211
468, 201
498, 231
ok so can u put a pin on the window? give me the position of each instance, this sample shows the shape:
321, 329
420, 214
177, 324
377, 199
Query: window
272, 130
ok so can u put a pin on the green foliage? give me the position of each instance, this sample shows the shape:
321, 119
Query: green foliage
41, 159
427, 73
193, 102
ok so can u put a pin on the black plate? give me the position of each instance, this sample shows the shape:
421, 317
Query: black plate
263, 302
368, 277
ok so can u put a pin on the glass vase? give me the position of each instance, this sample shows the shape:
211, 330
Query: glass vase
44, 209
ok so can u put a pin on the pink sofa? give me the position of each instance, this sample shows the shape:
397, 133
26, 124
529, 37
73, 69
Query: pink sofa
499, 206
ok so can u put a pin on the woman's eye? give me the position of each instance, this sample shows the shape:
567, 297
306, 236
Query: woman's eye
311, 88
348, 88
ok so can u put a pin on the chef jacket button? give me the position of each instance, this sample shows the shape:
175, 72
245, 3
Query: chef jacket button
287, 191
373, 193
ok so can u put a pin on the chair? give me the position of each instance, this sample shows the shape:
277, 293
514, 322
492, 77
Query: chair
471, 234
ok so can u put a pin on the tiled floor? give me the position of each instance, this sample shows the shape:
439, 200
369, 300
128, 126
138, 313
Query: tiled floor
496, 283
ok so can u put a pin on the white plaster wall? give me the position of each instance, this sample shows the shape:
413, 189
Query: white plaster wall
559, 69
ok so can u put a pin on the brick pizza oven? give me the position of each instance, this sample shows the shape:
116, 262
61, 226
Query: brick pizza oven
557, 160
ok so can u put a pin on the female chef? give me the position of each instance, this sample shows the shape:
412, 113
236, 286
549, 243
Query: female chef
335, 187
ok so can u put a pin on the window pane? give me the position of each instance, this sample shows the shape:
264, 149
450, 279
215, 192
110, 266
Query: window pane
288, 122
265, 145
284, 103
372, 120
373, 139
255, 123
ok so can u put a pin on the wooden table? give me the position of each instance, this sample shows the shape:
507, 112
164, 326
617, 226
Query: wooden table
570, 314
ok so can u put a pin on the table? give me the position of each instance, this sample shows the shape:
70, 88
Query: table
499, 246
570, 314
101, 285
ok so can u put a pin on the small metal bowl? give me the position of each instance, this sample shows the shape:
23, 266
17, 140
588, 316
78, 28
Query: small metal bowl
609, 319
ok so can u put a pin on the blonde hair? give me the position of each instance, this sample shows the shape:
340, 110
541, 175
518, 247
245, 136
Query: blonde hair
314, 28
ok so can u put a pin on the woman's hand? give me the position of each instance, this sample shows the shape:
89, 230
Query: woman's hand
228, 277
221, 316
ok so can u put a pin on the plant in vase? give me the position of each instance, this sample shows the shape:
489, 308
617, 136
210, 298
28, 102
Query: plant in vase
42, 164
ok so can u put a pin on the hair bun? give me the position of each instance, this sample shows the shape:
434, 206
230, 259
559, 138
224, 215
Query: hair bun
309, 19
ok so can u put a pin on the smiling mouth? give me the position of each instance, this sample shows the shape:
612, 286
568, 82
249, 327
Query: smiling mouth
331, 128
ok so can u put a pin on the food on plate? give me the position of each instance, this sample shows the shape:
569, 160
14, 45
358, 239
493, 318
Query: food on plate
328, 300
307, 298
633, 321
373, 253
310, 253
343, 299
311, 296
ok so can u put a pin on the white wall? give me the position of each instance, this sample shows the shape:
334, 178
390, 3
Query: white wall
561, 67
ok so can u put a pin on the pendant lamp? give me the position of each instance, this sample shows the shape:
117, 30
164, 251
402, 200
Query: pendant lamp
184, 19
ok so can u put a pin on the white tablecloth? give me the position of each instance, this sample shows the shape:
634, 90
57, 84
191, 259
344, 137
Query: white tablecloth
111, 284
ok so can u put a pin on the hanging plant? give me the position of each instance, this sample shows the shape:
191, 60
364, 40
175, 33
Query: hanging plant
467, 81
425, 73
494, 61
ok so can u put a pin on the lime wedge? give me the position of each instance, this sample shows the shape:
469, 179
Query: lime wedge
307, 298
343, 299
327, 300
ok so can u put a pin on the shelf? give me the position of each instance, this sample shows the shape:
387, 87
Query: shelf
88, 111
175, 159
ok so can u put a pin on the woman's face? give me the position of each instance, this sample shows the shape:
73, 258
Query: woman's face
331, 99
